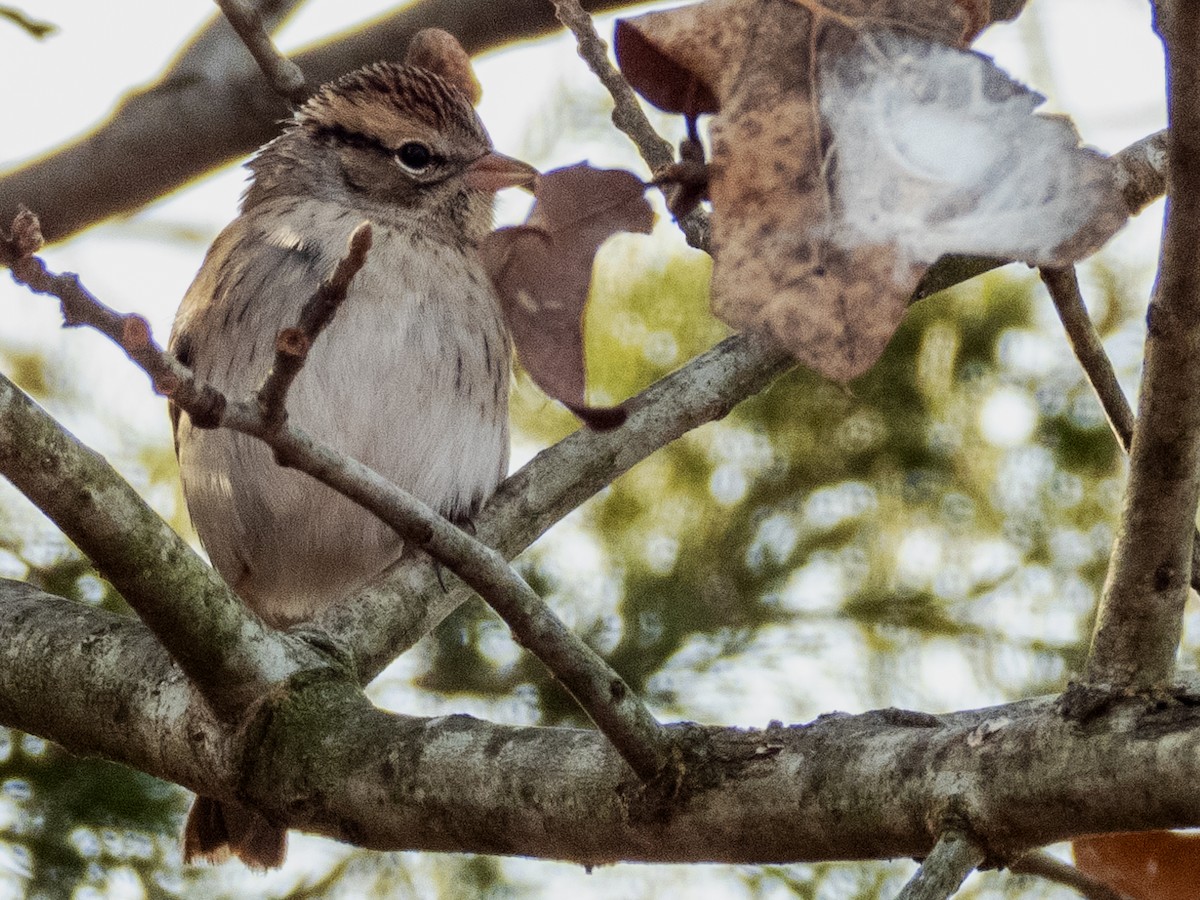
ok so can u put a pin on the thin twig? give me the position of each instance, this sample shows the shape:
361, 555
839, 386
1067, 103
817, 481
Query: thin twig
1063, 285
293, 344
627, 113
1044, 865
604, 696
953, 858
284, 75
128, 331
35, 29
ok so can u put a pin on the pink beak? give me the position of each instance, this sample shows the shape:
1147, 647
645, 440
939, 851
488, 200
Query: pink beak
494, 171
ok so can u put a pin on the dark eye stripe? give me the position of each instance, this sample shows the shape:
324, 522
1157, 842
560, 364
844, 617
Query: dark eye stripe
364, 142
336, 133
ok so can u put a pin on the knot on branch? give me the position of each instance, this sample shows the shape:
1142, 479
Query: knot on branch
24, 239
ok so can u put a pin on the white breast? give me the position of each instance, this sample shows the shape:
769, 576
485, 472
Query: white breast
411, 378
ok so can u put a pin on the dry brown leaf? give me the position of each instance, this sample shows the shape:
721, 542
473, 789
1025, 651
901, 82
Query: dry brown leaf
543, 269
796, 250
1149, 865
440, 52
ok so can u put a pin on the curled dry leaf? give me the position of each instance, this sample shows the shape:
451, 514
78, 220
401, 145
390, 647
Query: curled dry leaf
542, 271
853, 144
440, 52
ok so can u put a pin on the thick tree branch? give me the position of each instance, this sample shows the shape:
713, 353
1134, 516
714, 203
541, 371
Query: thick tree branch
842, 787
222, 646
1141, 611
953, 858
202, 117
1140, 170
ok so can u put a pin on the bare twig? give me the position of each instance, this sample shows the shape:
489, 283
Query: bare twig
615, 709
79, 307
1141, 612
953, 858
35, 29
292, 344
1044, 865
284, 75
627, 113
1063, 286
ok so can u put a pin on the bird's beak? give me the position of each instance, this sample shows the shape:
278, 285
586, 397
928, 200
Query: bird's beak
494, 171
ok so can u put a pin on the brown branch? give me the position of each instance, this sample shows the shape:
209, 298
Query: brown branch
1043, 865
200, 116
1063, 287
627, 114
79, 307
285, 76
1141, 612
35, 29
953, 858
293, 344
604, 696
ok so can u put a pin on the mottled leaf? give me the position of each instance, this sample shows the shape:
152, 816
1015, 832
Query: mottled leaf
853, 144
542, 271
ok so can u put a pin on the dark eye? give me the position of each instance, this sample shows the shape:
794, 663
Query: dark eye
414, 156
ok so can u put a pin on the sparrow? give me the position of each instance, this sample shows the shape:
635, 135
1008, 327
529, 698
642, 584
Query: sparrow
411, 377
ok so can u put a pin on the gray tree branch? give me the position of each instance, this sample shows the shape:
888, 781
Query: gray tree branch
953, 858
229, 653
1141, 612
284, 75
842, 787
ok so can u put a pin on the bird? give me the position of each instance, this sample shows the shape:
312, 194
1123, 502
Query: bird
411, 377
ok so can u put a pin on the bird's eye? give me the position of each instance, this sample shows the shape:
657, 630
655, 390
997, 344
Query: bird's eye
414, 157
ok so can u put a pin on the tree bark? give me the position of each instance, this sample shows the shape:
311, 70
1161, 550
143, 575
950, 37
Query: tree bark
879, 785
